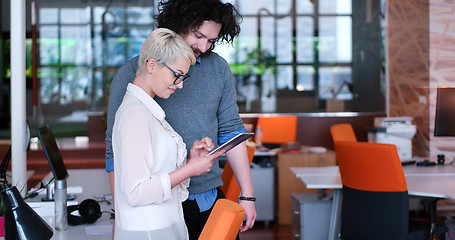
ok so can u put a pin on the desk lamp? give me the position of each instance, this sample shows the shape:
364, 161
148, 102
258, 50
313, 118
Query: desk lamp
21, 221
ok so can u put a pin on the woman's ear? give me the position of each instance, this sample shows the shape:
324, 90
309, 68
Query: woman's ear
151, 64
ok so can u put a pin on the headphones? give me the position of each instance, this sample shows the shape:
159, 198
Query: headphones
89, 210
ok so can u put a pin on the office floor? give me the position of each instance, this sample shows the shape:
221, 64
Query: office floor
273, 231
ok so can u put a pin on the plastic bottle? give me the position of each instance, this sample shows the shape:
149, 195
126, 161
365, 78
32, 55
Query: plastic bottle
258, 136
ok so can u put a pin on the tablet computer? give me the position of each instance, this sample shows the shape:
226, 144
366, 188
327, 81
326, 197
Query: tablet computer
232, 143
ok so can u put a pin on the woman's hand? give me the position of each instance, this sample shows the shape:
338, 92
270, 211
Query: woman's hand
197, 164
198, 161
201, 148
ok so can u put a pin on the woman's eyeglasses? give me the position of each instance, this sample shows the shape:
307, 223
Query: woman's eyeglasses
178, 77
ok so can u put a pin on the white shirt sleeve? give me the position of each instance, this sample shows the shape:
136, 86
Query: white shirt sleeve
136, 160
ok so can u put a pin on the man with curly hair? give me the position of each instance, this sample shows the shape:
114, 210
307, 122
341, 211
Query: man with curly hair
206, 106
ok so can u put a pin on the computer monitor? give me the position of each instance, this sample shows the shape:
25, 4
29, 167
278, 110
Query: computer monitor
444, 122
7, 158
52, 152
4, 166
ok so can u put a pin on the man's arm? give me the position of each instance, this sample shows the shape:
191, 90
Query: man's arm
238, 159
229, 123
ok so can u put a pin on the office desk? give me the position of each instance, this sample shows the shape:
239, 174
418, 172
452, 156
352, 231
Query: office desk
94, 183
287, 183
263, 179
435, 181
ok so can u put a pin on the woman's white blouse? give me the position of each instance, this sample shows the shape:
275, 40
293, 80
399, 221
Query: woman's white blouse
146, 149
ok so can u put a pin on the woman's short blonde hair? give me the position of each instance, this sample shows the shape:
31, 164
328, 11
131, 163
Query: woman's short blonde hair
165, 46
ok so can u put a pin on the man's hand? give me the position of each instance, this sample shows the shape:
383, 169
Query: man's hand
250, 213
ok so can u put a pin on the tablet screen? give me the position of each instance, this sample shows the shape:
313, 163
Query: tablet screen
232, 143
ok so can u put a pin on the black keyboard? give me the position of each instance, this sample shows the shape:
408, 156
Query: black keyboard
408, 162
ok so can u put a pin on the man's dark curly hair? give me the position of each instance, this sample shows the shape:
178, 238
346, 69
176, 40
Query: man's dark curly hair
183, 16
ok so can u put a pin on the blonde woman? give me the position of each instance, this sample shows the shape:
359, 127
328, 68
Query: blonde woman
151, 169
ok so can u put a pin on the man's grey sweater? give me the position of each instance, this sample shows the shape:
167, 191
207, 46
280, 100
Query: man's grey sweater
205, 107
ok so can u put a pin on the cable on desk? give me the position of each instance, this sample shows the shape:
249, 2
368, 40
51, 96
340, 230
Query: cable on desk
35, 192
105, 198
111, 213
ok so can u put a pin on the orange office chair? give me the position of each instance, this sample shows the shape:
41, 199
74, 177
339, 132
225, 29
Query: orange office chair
343, 132
278, 129
375, 198
230, 186
224, 221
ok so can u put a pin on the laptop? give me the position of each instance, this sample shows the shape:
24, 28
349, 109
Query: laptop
52, 152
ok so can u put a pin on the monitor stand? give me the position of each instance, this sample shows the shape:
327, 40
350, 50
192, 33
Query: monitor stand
50, 194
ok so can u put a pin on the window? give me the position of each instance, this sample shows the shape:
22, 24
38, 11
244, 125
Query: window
80, 49
301, 54
312, 42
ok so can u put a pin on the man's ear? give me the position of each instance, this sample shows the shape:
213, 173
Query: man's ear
151, 65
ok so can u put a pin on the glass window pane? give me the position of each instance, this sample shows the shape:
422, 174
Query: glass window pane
97, 47
284, 77
304, 7
283, 6
334, 81
140, 32
248, 7
247, 39
115, 54
284, 40
76, 68
335, 6
75, 84
136, 36
305, 48
268, 34
48, 15
68, 86
268, 98
74, 16
133, 48
98, 14
305, 76
87, 81
97, 90
227, 51
114, 18
48, 44
335, 39
140, 15
49, 84
247, 91
74, 45
268, 83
